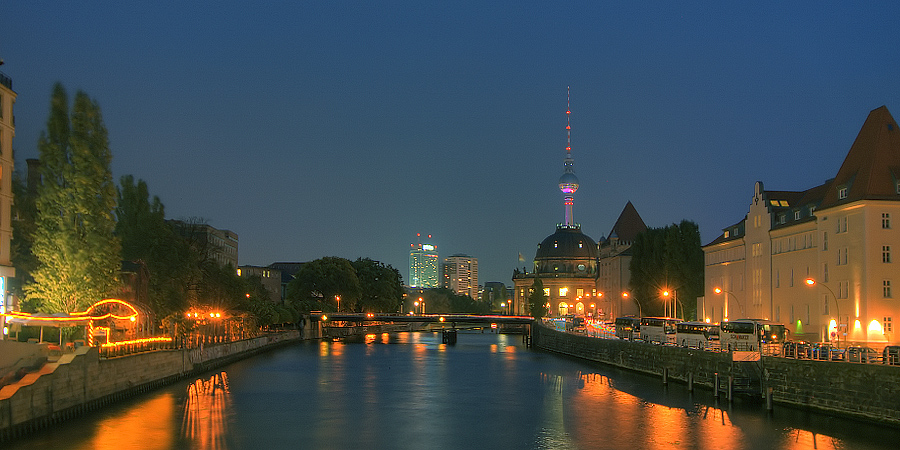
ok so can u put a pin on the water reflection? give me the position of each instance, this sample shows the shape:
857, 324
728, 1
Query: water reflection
132, 429
206, 412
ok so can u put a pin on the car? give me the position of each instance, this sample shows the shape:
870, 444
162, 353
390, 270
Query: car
824, 351
797, 349
861, 354
891, 355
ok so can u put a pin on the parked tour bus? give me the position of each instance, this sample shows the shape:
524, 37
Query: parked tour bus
658, 330
628, 328
700, 335
752, 335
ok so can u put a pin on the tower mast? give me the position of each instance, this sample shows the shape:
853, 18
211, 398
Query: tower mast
568, 182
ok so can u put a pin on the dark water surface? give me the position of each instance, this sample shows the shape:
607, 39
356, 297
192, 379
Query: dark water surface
409, 391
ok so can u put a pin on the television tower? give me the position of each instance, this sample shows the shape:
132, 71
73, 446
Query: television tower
568, 182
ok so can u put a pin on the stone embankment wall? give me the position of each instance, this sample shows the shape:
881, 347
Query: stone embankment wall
864, 391
82, 381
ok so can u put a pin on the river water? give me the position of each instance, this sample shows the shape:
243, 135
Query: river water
409, 391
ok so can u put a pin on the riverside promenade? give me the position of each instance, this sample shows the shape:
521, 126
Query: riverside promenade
82, 380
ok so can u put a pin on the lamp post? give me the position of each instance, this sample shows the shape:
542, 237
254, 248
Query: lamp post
837, 307
337, 298
503, 307
727, 293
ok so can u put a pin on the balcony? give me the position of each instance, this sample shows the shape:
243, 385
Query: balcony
6, 80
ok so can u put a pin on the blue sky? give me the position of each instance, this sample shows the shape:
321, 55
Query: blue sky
344, 128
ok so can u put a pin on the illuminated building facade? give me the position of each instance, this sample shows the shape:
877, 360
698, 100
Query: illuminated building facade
822, 261
7, 131
459, 273
423, 266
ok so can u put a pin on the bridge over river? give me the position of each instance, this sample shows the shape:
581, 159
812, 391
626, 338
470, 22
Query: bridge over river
361, 323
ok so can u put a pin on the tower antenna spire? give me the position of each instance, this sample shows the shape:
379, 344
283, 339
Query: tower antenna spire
568, 182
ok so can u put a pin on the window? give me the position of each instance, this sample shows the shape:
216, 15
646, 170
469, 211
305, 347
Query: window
841, 225
842, 193
886, 253
825, 272
797, 215
563, 291
547, 292
843, 289
886, 288
777, 278
842, 256
885, 220
888, 324
824, 240
825, 305
782, 218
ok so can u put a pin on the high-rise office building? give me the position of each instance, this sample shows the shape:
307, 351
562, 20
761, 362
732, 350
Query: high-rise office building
423, 265
459, 273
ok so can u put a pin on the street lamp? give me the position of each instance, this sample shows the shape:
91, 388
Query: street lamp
673, 310
719, 291
338, 299
837, 307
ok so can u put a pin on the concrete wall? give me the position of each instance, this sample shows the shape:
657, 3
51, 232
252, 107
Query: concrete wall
82, 381
864, 391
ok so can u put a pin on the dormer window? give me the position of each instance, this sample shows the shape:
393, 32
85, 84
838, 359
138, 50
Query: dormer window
842, 193
796, 215
726, 234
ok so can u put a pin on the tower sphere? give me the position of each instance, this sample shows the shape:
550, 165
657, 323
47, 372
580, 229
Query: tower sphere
568, 183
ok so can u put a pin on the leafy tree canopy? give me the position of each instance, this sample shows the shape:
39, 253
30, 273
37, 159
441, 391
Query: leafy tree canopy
669, 258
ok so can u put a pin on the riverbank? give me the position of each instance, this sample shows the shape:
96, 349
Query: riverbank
868, 392
83, 381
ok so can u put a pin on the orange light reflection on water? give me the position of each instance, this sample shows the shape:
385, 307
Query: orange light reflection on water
133, 430
647, 425
206, 410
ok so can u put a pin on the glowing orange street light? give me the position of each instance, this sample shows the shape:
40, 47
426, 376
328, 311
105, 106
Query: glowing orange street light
837, 307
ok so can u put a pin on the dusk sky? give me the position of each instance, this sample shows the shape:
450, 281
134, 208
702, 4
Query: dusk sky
318, 129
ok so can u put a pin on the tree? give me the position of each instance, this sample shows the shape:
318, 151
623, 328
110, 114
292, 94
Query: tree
146, 236
537, 301
74, 240
667, 258
381, 286
322, 282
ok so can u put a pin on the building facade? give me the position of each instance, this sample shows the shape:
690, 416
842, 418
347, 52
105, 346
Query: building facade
219, 245
7, 132
270, 278
822, 261
423, 266
459, 273
614, 266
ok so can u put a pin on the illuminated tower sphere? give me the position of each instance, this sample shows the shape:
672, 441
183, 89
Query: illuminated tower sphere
568, 182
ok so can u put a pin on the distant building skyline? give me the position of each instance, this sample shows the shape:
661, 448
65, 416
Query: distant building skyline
459, 273
423, 265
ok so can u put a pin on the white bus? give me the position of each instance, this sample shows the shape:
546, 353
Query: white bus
751, 334
628, 328
658, 330
700, 335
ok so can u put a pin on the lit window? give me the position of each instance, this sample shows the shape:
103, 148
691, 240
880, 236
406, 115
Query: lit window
726, 234
888, 324
563, 291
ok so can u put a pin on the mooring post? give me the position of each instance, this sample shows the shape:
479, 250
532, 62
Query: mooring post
730, 387
716, 385
769, 406
665, 375
690, 381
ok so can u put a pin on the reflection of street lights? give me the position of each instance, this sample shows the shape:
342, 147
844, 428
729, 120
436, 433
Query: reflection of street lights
837, 307
337, 298
719, 291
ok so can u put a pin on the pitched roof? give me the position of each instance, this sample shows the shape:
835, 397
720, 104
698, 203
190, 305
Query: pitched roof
628, 225
872, 167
